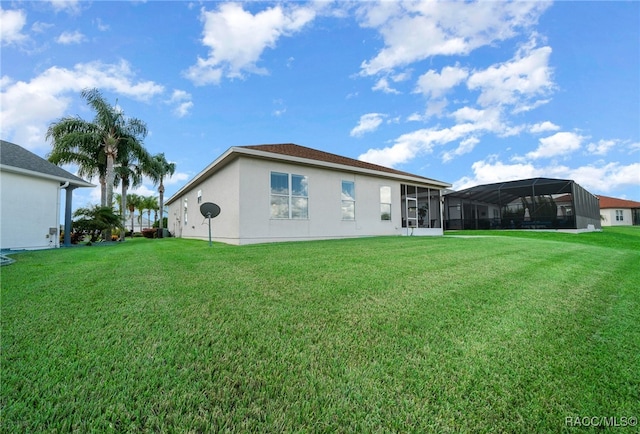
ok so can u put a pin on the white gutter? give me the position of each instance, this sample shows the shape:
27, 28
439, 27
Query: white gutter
57, 239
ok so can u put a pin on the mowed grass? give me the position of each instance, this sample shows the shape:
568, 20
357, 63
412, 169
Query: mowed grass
510, 333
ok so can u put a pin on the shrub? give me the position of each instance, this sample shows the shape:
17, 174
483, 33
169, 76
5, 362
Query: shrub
149, 233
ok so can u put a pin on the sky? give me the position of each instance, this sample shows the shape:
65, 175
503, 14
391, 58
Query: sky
462, 92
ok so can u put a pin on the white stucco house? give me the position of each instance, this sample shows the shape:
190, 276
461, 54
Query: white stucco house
30, 199
619, 212
287, 192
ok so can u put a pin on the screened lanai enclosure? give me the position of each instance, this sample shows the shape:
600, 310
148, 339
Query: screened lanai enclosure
420, 208
537, 203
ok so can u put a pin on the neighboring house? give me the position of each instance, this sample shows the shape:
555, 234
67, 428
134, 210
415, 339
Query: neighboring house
536, 203
287, 192
619, 212
30, 189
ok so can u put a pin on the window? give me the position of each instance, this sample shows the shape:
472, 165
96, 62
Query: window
385, 202
289, 196
348, 200
619, 215
185, 211
199, 196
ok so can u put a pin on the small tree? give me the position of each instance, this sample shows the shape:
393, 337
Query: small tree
160, 168
132, 203
94, 220
150, 204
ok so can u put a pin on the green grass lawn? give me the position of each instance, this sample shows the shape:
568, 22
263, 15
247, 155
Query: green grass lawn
508, 333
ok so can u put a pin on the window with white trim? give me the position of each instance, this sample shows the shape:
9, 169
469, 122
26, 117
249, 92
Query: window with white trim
348, 200
619, 215
185, 211
199, 196
385, 202
289, 196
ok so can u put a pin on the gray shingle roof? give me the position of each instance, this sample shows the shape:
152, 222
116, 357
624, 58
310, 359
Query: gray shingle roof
14, 156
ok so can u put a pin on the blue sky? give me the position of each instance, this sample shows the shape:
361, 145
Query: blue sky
467, 93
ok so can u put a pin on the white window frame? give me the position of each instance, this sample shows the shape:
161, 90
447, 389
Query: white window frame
351, 201
385, 205
290, 197
619, 215
185, 211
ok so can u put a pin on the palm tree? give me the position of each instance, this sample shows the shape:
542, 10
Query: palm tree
161, 168
132, 203
150, 204
72, 146
141, 209
129, 171
95, 146
117, 202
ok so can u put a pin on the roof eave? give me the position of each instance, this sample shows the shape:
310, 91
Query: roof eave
71, 181
237, 151
216, 165
336, 166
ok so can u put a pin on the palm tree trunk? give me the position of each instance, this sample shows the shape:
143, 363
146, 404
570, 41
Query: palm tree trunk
161, 207
103, 191
123, 204
110, 177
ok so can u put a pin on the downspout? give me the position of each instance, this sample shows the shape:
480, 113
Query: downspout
441, 199
57, 240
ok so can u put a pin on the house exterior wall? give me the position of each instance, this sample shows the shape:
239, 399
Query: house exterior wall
609, 215
30, 207
242, 189
324, 206
222, 189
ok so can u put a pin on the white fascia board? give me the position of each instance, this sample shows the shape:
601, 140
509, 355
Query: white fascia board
41, 175
341, 167
217, 164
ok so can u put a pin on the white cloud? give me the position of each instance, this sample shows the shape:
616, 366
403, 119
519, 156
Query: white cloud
28, 107
562, 143
410, 145
434, 85
602, 147
101, 26
12, 20
68, 38
413, 31
490, 171
391, 156
182, 100
516, 82
177, 178
605, 177
465, 147
383, 85
236, 39
69, 6
543, 127
596, 178
470, 124
40, 27
368, 123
